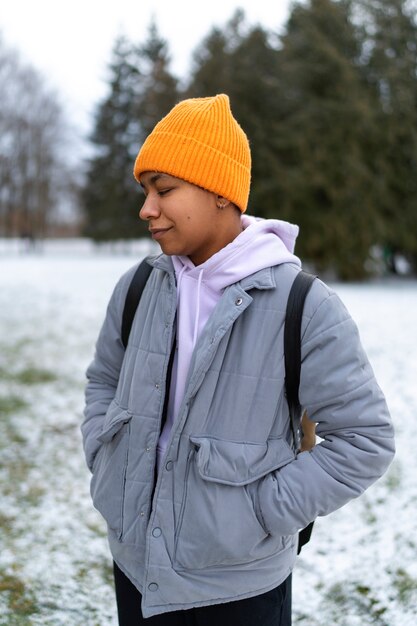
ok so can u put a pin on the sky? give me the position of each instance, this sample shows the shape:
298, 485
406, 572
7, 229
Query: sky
70, 43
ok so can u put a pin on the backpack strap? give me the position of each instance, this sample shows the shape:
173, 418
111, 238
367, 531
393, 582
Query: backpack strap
292, 356
292, 345
133, 296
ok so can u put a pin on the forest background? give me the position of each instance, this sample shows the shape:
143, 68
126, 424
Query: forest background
329, 105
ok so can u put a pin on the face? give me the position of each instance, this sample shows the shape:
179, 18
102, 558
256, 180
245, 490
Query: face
183, 218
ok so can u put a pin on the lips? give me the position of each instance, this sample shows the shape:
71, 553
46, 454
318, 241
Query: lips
157, 233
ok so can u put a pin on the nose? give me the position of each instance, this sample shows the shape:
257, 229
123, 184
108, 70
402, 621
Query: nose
149, 208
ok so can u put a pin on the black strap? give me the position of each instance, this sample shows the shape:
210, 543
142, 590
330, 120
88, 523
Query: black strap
304, 536
292, 356
133, 296
292, 345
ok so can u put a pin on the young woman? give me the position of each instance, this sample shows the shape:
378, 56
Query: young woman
187, 432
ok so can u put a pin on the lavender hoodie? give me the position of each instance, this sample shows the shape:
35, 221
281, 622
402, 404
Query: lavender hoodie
261, 244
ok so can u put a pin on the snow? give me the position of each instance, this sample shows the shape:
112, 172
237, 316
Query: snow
55, 567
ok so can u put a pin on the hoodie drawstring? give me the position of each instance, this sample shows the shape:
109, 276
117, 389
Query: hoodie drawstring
197, 313
179, 279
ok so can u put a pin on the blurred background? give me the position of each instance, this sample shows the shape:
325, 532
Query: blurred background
327, 92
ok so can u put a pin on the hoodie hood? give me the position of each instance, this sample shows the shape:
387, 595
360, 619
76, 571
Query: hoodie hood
262, 243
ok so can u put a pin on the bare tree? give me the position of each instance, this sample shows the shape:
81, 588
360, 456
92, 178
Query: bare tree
35, 173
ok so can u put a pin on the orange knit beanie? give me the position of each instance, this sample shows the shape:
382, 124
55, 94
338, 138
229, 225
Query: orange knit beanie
201, 142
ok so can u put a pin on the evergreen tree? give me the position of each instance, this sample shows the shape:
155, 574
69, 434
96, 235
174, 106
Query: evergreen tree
305, 104
392, 73
213, 70
141, 90
243, 62
325, 139
329, 109
110, 194
158, 87
256, 98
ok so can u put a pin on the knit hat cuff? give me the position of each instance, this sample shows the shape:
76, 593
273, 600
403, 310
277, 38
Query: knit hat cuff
195, 162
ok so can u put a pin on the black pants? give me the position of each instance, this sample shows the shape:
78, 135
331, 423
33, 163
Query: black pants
269, 609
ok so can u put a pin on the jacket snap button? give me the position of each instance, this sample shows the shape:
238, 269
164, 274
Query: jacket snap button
153, 587
239, 301
157, 532
156, 385
168, 466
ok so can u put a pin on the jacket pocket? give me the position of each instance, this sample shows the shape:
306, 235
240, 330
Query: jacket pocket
107, 485
219, 521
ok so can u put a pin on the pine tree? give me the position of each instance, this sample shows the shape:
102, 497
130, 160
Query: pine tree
304, 101
241, 61
392, 74
325, 137
141, 90
212, 69
110, 194
158, 87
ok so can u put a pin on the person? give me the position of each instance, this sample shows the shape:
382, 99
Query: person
187, 431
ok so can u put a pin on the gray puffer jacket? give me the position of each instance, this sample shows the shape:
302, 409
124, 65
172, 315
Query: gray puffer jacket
220, 521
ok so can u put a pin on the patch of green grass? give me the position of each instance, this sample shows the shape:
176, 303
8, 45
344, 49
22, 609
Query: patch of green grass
103, 567
368, 513
305, 619
97, 528
35, 376
6, 521
7, 529
15, 437
29, 376
10, 531
11, 404
405, 585
20, 600
370, 604
107, 572
16, 474
337, 595
82, 573
356, 598
10, 433
393, 476
34, 495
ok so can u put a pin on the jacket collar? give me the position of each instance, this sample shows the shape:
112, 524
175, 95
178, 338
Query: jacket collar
161, 262
263, 279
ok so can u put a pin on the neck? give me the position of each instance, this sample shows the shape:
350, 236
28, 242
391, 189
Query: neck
229, 231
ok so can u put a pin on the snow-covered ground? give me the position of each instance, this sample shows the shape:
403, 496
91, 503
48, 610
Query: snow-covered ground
55, 569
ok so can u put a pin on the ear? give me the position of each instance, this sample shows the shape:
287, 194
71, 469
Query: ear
222, 202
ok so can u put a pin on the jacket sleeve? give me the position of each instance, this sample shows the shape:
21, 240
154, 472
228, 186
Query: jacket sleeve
103, 372
340, 393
